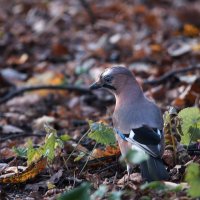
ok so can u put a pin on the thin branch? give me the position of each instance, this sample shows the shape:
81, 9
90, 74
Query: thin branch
84, 135
83, 90
13, 136
171, 74
88, 159
18, 91
108, 167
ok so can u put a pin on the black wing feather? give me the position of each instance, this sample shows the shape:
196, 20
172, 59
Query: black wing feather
146, 138
146, 135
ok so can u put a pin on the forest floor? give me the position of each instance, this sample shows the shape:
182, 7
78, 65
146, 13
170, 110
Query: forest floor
51, 51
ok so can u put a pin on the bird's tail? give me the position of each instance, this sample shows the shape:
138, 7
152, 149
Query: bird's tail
153, 169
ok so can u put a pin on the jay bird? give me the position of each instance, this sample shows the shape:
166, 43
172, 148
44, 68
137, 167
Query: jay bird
137, 121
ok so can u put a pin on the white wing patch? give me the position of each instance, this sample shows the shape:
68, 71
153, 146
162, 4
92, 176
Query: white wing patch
107, 72
159, 133
131, 135
155, 152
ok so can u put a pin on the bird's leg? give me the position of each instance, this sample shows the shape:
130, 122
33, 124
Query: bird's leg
128, 172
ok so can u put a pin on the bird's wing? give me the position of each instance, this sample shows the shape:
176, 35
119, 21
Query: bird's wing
146, 135
146, 138
153, 150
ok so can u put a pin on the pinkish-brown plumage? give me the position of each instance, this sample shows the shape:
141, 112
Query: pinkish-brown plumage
133, 110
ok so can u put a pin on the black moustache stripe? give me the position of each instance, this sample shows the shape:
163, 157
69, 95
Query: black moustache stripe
109, 86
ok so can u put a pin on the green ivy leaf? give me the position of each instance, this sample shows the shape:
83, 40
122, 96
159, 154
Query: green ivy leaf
49, 146
193, 178
60, 140
79, 157
190, 124
80, 193
154, 185
65, 137
115, 195
32, 154
49, 129
163, 186
47, 150
52, 141
101, 133
135, 157
100, 192
20, 151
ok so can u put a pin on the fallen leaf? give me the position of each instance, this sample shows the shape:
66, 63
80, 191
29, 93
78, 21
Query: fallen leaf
190, 30
47, 78
14, 60
178, 48
36, 186
3, 166
59, 50
11, 75
135, 177
109, 151
29, 173
8, 129
39, 122
56, 177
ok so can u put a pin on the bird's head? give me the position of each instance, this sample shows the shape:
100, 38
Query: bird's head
113, 79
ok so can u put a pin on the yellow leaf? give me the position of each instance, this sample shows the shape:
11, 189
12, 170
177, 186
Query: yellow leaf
30, 172
109, 151
47, 78
190, 30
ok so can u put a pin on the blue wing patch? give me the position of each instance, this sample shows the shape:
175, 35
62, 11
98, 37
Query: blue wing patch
146, 138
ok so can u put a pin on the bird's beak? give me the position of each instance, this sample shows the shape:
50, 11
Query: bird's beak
96, 85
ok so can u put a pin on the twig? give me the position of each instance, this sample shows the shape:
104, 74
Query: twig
77, 145
170, 74
108, 167
92, 162
18, 91
2, 139
87, 159
74, 179
83, 90
88, 9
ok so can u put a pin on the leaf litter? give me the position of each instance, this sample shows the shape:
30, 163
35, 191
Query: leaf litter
69, 42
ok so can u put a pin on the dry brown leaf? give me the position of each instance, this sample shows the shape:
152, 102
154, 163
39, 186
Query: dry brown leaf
47, 78
178, 102
140, 9
156, 48
189, 96
29, 173
59, 50
168, 157
135, 177
152, 20
109, 151
7, 152
18, 60
190, 30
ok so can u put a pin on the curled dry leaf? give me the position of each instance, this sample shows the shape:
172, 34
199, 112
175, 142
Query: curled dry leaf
109, 151
36, 186
39, 122
29, 173
178, 48
168, 157
190, 30
3, 166
47, 78
135, 177
9, 129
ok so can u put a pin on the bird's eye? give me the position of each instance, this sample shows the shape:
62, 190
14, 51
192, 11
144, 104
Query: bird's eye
107, 79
